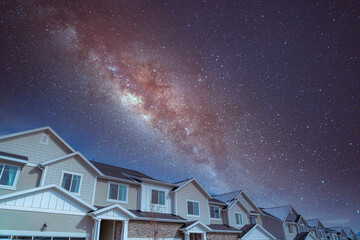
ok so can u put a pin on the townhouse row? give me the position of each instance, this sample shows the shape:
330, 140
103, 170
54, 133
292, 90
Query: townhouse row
49, 191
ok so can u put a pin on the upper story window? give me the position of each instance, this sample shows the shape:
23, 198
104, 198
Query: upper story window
157, 197
71, 182
117, 192
291, 228
253, 220
238, 219
193, 208
214, 212
302, 228
8, 175
321, 235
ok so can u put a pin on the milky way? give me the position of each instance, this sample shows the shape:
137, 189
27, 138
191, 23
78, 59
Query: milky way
242, 95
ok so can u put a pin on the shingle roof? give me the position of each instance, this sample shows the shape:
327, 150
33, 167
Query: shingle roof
312, 222
156, 215
5, 154
277, 212
222, 227
301, 236
246, 228
216, 201
119, 172
227, 197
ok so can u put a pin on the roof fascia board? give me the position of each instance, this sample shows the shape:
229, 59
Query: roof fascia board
158, 182
106, 177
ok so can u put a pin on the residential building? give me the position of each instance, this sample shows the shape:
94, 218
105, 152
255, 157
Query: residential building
316, 227
50, 191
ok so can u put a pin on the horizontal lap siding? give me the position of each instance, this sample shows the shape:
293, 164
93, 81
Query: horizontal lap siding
54, 174
33, 221
232, 211
30, 147
102, 193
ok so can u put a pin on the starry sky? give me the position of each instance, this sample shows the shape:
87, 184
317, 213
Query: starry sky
255, 95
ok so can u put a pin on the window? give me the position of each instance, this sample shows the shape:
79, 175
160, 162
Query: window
214, 212
291, 228
193, 208
71, 182
158, 197
238, 219
321, 234
252, 220
44, 139
117, 192
302, 228
7, 175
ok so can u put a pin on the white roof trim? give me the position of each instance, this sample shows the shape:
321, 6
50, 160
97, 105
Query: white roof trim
238, 201
242, 192
13, 159
52, 186
262, 229
115, 206
72, 155
189, 181
197, 223
38, 130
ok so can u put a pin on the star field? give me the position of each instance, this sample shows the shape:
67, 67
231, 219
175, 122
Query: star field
254, 95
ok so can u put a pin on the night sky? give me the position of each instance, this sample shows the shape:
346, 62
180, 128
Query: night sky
255, 95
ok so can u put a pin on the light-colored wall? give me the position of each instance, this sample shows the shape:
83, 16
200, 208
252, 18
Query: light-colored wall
193, 192
216, 221
288, 235
33, 221
54, 175
302, 221
238, 208
29, 177
145, 195
246, 203
101, 194
29, 146
274, 227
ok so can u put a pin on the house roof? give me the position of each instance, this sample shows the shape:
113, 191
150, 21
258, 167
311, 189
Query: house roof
246, 228
112, 171
75, 154
42, 129
189, 225
156, 215
278, 212
301, 236
216, 201
312, 222
222, 228
228, 197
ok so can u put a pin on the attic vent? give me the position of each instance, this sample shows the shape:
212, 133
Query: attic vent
44, 139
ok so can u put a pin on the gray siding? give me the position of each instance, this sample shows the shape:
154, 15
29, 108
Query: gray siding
101, 195
217, 221
29, 177
54, 174
238, 208
33, 221
28, 145
192, 192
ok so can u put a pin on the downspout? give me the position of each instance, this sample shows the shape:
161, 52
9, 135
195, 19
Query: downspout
43, 170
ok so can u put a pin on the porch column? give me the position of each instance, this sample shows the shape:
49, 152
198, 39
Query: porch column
204, 236
97, 228
124, 232
187, 236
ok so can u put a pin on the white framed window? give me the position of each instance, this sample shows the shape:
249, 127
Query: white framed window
157, 197
44, 139
291, 228
238, 218
71, 181
193, 208
8, 176
321, 235
252, 220
214, 212
117, 192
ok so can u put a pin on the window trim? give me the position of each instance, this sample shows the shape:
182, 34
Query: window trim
47, 139
187, 209
72, 173
292, 227
13, 187
241, 217
215, 218
252, 217
158, 204
108, 199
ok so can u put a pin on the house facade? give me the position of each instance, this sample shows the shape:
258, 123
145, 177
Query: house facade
50, 191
